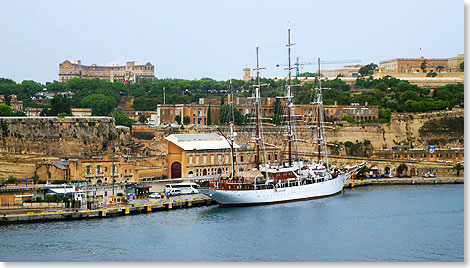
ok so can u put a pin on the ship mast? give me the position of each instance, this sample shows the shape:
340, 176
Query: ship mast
321, 141
257, 100
232, 133
289, 96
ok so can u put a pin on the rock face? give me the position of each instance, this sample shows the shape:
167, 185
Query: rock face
52, 136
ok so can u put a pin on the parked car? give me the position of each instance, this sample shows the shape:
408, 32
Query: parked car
407, 176
400, 175
429, 175
174, 192
2, 185
155, 195
387, 175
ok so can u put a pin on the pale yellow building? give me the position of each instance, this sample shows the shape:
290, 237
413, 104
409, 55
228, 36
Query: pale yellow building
209, 154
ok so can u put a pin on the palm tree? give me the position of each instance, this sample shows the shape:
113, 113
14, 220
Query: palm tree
458, 167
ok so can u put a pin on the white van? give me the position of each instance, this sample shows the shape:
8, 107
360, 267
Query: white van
185, 188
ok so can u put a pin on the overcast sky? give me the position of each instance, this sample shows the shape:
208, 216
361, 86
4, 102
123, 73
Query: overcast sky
194, 39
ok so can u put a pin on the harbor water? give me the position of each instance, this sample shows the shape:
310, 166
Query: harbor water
403, 223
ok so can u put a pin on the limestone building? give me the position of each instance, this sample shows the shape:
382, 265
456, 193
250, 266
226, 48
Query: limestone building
246, 74
346, 71
208, 154
413, 65
130, 72
99, 170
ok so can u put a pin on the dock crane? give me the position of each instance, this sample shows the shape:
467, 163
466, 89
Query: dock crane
298, 63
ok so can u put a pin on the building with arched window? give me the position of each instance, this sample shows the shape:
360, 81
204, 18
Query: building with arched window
208, 154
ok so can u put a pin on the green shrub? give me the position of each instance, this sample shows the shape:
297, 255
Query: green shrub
51, 198
119, 194
59, 182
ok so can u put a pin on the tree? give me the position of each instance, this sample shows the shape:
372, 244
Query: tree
178, 119
121, 118
277, 112
462, 65
186, 120
431, 74
440, 68
209, 116
368, 69
142, 118
385, 115
60, 104
458, 167
8, 100
99, 104
224, 114
5, 110
423, 66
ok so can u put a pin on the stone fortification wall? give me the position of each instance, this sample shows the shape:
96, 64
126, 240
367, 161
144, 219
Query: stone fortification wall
52, 136
402, 129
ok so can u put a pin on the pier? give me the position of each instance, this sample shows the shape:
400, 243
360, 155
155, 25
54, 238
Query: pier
111, 210
400, 181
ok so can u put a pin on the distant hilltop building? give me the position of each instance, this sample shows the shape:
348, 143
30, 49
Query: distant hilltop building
246, 74
346, 71
129, 73
413, 65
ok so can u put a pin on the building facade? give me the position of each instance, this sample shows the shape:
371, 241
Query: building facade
443, 155
133, 70
336, 112
346, 71
209, 154
99, 170
454, 63
413, 65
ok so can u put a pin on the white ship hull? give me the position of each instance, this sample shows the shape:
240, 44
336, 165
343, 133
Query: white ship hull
271, 196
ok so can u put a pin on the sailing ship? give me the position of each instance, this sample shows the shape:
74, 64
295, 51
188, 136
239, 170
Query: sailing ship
288, 182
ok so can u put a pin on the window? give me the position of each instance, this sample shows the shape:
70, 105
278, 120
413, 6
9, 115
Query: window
226, 158
98, 169
197, 160
204, 159
190, 160
88, 169
241, 158
212, 159
219, 157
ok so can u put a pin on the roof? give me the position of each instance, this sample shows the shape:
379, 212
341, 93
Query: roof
189, 142
61, 164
